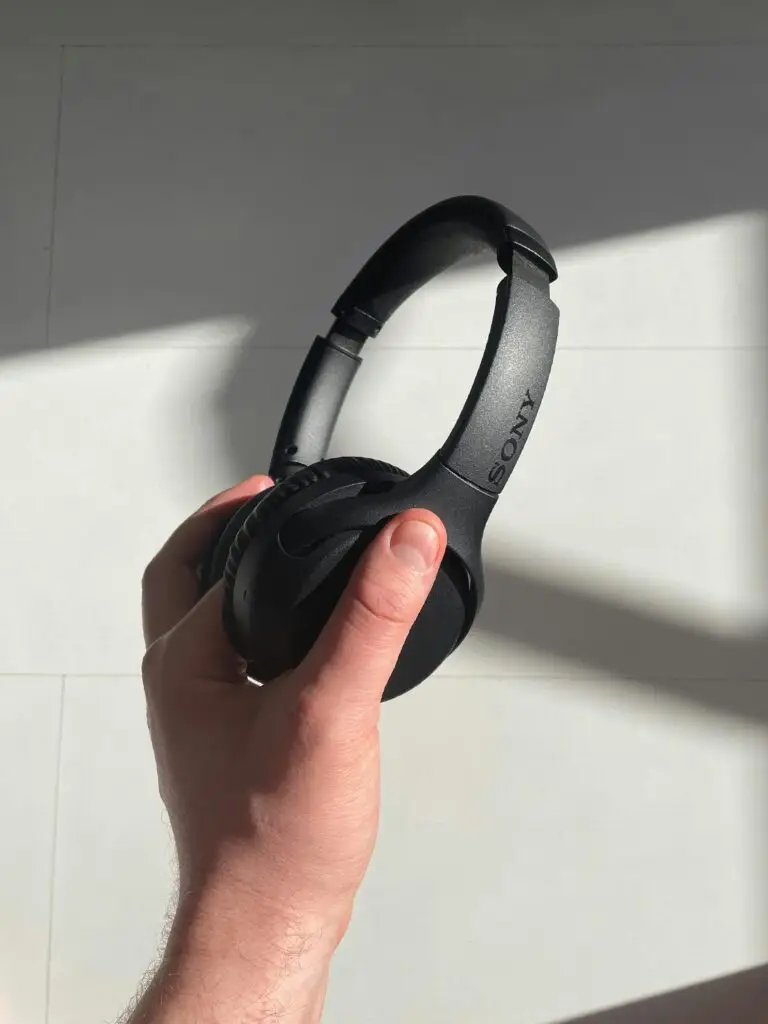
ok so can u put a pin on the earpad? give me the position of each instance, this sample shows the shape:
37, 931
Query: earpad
276, 602
212, 569
261, 510
366, 470
215, 562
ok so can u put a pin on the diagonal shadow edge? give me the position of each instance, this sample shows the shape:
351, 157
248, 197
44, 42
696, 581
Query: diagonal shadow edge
737, 998
724, 674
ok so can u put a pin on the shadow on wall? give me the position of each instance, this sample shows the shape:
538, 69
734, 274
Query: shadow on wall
263, 207
723, 674
739, 998
586, 146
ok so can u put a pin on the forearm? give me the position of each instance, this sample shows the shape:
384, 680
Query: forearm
231, 960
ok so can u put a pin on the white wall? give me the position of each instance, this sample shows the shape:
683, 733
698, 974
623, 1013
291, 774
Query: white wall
575, 805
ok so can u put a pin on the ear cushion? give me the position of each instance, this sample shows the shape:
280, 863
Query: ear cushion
213, 566
365, 469
264, 513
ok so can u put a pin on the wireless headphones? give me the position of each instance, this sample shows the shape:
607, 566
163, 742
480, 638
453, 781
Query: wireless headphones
287, 554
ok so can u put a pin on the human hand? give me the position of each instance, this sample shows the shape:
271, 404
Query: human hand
272, 792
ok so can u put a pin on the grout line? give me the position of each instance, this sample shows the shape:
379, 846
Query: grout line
585, 45
380, 349
54, 845
54, 196
31, 675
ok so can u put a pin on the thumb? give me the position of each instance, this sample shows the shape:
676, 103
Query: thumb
358, 649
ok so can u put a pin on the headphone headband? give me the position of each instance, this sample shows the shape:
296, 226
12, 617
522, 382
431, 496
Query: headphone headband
489, 435
424, 247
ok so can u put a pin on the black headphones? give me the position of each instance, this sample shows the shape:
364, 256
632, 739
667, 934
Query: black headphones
287, 554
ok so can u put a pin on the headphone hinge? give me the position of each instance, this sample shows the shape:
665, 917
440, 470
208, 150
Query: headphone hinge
356, 324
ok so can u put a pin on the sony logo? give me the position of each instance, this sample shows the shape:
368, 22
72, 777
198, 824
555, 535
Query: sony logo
512, 444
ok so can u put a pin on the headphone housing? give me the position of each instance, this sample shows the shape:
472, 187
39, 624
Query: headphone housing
287, 554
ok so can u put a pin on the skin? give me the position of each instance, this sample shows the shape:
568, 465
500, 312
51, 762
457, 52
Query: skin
272, 792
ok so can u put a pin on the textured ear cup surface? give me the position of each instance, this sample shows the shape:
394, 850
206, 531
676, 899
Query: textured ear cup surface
260, 600
276, 602
212, 568
368, 471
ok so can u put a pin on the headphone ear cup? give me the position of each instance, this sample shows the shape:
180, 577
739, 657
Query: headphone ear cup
212, 567
250, 522
371, 471
322, 481
277, 598
374, 472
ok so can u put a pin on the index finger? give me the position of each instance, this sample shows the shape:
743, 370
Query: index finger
170, 585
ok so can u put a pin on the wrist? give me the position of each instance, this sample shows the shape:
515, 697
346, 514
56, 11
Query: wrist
234, 956
224, 917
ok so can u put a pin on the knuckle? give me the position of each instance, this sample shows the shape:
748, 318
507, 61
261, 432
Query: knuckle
151, 664
385, 602
315, 718
327, 725
153, 573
